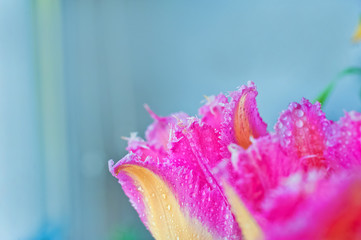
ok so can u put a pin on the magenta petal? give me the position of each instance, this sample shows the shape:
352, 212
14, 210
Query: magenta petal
212, 111
344, 141
184, 172
312, 207
253, 172
157, 133
203, 139
197, 147
142, 149
301, 130
241, 118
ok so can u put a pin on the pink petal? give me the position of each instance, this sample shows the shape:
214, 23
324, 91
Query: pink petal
203, 138
316, 208
241, 118
212, 111
301, 130
253, 172
184, 171
205, 141
157, 133
344, 141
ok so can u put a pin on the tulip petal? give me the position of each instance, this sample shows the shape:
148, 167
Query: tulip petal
157, 133
212, 110
241, 118
164, 216
316, 208
254, 171
343, 142
204, 140
198, 205
250, 228
301, 129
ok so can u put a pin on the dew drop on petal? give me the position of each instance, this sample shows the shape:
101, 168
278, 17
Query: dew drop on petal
299, 113
299, 123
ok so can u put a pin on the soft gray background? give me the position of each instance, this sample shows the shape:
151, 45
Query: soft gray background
74, 76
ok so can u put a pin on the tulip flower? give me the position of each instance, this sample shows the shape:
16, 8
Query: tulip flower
225, 176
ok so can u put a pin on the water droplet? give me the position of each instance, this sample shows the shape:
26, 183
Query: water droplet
299, 113
329, 143
164, 196
168, 207
299, 123
288, 133
287, 141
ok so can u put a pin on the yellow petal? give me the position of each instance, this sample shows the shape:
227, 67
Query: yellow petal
242, 120
357, 35
241, 124
166, 219
249, 226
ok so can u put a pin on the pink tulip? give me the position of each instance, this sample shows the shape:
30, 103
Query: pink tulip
224, 176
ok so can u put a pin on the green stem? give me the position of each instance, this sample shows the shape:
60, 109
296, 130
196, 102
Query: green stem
324, 95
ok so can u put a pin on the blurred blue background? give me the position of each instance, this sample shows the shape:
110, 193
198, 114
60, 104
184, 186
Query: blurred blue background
74, 76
